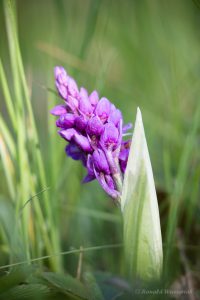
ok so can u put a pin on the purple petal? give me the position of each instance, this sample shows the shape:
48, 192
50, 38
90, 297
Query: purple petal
83, 92
72, 103
94, 98
110, 136
82, 142
94, 126
123, 165
123, 159
81, 123
73, 151
93, 141
62, 90
85, 106
66, 85
76, 153
110, 191
88, 178
100, 161
90, 165
72, 87
61, 78
66, 121
126, 127
110, 182
67, 134
123, 155
58, 110
119, 127
115, 116
90, 169
60, 75
103, 109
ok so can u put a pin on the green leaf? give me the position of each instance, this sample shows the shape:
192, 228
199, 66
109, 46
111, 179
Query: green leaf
142, 233
67, 284
28, 292
14, 277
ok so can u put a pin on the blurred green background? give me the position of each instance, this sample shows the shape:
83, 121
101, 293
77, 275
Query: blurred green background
136, 53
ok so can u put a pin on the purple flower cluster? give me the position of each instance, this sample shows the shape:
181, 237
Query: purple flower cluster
94, 130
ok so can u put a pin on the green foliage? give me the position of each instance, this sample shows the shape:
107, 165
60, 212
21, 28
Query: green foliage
20, 177
67, 285
30, 283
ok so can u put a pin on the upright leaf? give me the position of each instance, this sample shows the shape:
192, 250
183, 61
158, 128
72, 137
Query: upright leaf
142, 233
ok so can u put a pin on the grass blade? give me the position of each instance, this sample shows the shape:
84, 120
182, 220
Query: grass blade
7, 96
8, 167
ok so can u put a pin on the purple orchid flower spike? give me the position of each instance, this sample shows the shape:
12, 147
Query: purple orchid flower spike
94, 131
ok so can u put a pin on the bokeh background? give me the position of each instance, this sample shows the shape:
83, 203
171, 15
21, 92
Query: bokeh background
136, 53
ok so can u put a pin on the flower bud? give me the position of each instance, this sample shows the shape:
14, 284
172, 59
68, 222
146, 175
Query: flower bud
110, 182
60, 75
73, 151
83, 92
94, 126
127, 127
58, 110
107, 186
115, 116
76, 153
123, 155
81, 123
82, 142
72, 87
73, 104
61, 78
85, 106
110, 136
103, 109
90, 169
94, 98
66, 121
100, 161
67, 134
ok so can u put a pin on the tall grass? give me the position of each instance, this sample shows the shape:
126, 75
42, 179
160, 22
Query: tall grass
34, 219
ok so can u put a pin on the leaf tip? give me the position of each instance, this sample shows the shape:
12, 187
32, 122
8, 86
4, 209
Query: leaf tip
138, 116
